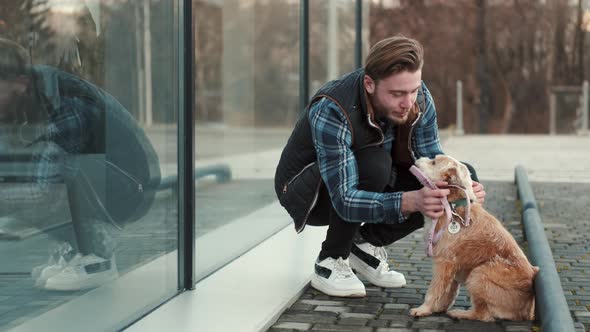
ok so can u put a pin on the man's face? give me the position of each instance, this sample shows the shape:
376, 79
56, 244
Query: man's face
10, 91
393, 97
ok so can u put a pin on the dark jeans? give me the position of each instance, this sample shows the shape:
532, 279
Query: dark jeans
374, 166
94, 233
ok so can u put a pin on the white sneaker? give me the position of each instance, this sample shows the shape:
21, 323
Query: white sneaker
334, 277
371, 263
38, 270
43, 272
84, 272
59, 257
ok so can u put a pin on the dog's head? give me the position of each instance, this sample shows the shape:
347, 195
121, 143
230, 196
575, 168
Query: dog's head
448, 169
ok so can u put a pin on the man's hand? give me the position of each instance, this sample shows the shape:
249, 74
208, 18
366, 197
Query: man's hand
426, 200
479, 192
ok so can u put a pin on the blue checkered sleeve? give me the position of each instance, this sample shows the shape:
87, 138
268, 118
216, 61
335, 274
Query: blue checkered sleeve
333, 141
426, 142
66, 132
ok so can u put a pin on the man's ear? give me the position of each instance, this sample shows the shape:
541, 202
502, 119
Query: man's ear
369, 84
21, 84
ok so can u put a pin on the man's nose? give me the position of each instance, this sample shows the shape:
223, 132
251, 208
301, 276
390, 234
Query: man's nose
406, 101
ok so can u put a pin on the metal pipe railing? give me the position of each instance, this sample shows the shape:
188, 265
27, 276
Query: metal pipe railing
551, 306
222, 174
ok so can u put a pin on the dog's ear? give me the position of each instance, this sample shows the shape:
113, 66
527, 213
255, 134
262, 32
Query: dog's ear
450, 175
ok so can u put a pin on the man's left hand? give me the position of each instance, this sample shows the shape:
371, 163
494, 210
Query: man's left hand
479, 192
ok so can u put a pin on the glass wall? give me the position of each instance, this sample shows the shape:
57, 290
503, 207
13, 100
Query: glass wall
247, 79
88, 109
332, 36
90, 97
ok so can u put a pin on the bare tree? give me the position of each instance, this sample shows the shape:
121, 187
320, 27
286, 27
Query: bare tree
508, 53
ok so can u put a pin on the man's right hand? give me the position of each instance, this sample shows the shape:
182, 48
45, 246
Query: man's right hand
426, 200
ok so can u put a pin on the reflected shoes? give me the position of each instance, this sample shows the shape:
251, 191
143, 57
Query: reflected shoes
334, 277
82, 272
371, 263
43, 272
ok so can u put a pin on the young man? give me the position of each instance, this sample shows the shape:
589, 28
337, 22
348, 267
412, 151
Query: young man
80, 135
346, 165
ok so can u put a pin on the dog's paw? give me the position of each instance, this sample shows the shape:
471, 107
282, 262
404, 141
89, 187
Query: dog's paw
458, 314
470, 314
421, 311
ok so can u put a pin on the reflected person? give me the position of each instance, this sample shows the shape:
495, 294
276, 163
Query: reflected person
85, 138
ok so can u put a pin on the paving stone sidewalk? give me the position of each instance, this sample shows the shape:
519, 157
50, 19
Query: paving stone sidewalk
565, 211
387, 310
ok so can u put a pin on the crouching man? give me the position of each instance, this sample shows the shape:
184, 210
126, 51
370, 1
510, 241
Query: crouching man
346, 165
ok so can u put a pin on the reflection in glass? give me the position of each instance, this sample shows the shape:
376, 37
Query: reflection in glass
332, 40
246, 78
86, 136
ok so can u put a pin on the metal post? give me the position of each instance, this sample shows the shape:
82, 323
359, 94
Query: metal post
186, 160
459, 130
358, 43
333, 41
139, 61
584, 129
147, 63
552, 106
304, 56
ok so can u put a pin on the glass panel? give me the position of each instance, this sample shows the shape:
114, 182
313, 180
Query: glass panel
331, 40
246, 79
88, 110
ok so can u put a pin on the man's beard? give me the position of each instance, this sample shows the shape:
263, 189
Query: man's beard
383, 114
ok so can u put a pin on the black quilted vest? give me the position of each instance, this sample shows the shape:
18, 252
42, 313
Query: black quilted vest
297, 178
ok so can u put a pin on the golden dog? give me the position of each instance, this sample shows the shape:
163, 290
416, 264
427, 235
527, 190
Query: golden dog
481, 254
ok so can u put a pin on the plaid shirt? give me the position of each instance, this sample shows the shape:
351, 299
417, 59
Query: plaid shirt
66, 132
333, 141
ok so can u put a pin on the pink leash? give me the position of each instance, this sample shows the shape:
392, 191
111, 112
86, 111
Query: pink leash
434, 238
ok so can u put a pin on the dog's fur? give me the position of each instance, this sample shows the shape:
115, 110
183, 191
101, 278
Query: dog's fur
482, 256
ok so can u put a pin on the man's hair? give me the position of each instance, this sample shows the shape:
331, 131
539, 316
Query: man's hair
14, 60
393, 55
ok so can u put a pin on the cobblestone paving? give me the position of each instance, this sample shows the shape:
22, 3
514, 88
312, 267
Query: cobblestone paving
565, 211
387, 310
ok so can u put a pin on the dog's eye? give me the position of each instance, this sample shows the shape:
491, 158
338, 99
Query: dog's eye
433, 162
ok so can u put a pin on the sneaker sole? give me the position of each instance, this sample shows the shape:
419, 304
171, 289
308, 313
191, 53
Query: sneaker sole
359, 266
45, 275
74, 286
318, 283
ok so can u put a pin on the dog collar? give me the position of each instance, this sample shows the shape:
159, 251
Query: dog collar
459, 203
432, 237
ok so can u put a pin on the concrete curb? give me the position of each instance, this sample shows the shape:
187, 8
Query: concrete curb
551, 305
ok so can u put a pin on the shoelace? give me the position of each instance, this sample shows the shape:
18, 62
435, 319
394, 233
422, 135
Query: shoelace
342, 269
380, 253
